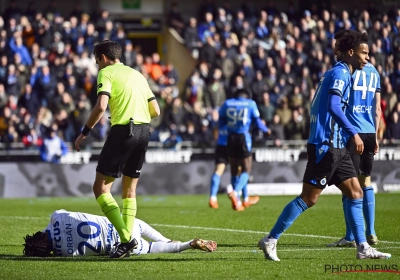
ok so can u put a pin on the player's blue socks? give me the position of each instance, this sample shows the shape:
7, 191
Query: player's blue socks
245, 193
369, 210
287, 217
215, 181
355, 215
234, 180
349, 233
241, 182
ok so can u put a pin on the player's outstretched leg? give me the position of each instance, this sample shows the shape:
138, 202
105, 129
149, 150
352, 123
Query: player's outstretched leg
177, 246
289, 214
204, 245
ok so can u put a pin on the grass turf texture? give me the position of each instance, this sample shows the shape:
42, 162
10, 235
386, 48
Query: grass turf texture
302, 250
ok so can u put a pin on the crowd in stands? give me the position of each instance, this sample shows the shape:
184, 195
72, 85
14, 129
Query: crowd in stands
280, 55
48, 73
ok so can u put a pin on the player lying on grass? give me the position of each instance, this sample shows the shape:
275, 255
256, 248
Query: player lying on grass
72, 234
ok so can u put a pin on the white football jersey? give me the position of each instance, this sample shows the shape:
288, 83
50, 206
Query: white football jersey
82, 234
78, 234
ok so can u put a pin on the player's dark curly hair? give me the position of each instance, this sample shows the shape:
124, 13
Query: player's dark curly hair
109, 48
341, 33
37, 245
351, 40
242, 92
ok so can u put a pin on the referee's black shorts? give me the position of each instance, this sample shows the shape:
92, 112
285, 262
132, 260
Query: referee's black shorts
124, 154
363, 163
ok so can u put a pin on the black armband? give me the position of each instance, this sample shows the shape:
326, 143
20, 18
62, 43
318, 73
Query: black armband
86, 130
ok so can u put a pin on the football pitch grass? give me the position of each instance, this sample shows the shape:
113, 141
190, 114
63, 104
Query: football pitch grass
302, 249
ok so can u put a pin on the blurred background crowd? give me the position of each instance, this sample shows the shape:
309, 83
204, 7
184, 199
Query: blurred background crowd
48, 73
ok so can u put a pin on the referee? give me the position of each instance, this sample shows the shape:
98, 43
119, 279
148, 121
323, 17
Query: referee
132, 106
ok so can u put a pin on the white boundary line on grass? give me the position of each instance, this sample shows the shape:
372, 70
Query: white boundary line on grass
209, 228
260, 232
295, 250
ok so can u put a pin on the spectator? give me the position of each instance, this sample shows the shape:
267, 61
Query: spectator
171, 74
100, 130
81, 113
295, 130
173, 141
277, 130
215, 92
174, 116
29, 100
386, 41
175, 19
26, 125
72, 87
12, 84
206, 24
17, 47
129, 54
393, 127
32, 140
191, 134
206, 138
192, 39
284, 112
259, 87
45, 85
390, 98
260, 60
66, 131
156, 71
101, 21
194, 89
53, 147
266, 109
296, 99
208, 53
3, 97
3, 68
272, 78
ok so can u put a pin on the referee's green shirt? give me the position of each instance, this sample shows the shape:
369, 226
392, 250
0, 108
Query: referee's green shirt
129, 93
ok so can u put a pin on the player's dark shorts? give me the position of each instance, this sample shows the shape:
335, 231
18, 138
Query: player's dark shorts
333, 169
221, 154
363, 163
124, 154
237, 147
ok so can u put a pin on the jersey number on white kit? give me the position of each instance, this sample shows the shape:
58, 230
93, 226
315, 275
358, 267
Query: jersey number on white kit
363, 88
82, 225
235, 115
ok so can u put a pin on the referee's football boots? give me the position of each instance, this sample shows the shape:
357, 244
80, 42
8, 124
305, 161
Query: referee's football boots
123, 249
